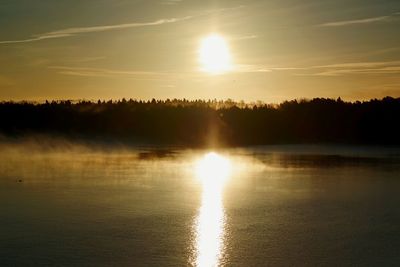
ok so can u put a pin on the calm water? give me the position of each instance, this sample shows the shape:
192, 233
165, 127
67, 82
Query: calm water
269, 206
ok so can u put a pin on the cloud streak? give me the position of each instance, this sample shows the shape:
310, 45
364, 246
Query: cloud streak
68, 32
172, 2
382, 67
386, 67
129, 74
99, 72
245, 37
360, 21
83, 30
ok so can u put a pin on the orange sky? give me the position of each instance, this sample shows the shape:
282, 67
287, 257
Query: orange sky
150, 49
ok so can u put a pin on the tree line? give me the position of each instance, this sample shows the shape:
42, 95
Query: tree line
212, 122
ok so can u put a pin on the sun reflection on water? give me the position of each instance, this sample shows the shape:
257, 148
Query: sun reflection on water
212, 170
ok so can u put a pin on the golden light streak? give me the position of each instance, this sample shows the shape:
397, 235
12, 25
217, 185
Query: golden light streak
212, 170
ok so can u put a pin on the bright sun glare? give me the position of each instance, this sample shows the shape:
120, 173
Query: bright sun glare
214, 55
213, 169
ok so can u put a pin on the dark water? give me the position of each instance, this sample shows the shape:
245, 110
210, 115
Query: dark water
269, 206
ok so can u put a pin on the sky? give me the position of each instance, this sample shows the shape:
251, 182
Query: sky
143, 49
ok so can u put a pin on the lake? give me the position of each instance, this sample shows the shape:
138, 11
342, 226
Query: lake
77, 205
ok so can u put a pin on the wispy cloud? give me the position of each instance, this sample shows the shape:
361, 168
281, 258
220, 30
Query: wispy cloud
144, 75
244, 37
99, 72
86, 59
172, 2
33, 39
360, 21
339, 69
383, 67
166, 76
82, 30
67, 32
243, 68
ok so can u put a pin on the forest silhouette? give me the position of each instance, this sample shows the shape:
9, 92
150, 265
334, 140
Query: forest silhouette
208, 123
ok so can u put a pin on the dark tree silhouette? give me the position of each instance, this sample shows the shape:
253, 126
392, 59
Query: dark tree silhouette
198, 122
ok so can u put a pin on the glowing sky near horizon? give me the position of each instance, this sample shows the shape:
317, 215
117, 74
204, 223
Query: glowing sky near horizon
269, 50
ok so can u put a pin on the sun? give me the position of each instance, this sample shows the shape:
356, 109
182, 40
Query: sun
214, 55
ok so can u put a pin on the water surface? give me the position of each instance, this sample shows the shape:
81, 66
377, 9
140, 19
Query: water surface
264, 206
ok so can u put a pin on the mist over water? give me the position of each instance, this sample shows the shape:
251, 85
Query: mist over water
71, 204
